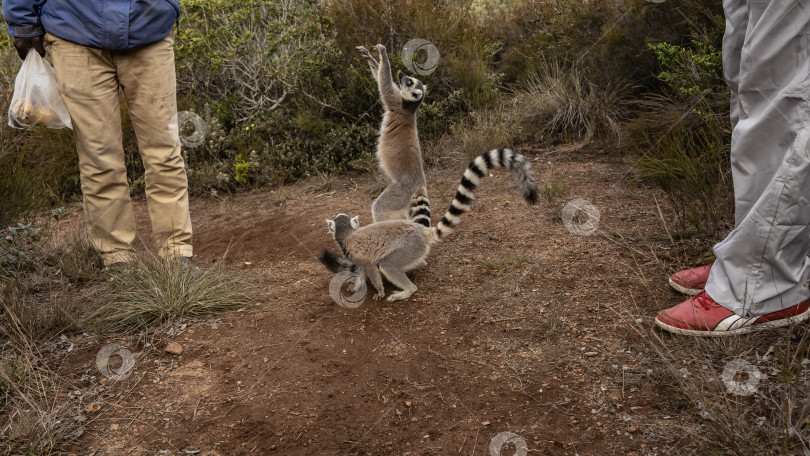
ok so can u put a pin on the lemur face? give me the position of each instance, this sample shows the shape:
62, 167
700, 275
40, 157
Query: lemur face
342, 223
410, 89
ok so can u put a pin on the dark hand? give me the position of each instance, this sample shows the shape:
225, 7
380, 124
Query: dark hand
24, 45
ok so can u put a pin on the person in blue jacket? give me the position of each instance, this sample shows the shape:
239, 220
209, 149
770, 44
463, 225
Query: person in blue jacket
102, 48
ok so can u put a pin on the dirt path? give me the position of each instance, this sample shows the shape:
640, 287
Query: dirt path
518, 326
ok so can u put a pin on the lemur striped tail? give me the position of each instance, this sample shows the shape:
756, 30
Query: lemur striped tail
420, 207
480, 167
336, 263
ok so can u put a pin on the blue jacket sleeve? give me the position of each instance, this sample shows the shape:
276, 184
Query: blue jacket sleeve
22, 17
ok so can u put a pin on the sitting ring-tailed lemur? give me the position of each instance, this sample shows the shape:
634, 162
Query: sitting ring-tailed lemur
393, 247
398, 151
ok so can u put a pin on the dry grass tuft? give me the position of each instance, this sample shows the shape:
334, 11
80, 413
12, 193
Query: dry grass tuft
49, 287
478, 133
564, 103
711, 377
35, 416
155, 290
740, 395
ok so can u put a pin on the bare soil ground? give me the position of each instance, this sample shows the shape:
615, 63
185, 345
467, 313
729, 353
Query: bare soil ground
519, 325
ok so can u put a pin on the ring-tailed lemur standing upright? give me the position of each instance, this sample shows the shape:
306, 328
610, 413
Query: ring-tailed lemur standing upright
393, 247
398, 150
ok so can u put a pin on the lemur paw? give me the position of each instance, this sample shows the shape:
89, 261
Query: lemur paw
364, 52
400, 296
379, 296
355, 285
420, 265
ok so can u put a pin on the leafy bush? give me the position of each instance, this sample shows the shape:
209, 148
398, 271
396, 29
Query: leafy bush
285, 96
465, 36
692, 167
18, 241
683, 138
279, 99
698, 70
245, 59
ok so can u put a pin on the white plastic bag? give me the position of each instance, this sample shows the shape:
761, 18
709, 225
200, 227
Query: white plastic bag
36, 100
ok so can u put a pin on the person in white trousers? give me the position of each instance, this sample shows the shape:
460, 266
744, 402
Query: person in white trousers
760, 274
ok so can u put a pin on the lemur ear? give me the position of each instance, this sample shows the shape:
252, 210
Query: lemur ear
355, 222
331, 225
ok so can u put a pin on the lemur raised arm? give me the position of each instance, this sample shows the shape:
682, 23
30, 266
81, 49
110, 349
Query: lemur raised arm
398, 151
393, 247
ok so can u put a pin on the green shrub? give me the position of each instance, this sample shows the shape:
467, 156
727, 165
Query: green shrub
692, 166
465, 35
279, 99
694, 76
690, 71
249, 57
285, 95
683, 136
16, 246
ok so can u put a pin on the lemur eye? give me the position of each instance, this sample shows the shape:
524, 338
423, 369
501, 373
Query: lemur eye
409, 83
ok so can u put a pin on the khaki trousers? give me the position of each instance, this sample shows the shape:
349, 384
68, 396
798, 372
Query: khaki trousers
89, 80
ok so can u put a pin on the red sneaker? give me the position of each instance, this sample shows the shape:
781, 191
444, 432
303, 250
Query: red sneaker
701, 316
691, 281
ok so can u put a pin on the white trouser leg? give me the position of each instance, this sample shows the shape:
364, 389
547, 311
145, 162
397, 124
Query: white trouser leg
762, 265
736, 24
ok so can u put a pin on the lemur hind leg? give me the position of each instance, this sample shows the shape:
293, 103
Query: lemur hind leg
400, 280
375, 278
392, 204
394, 266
